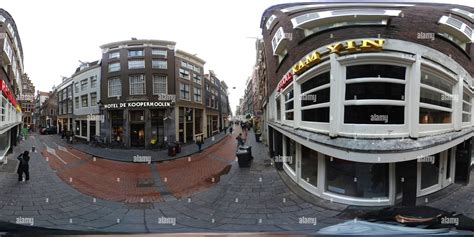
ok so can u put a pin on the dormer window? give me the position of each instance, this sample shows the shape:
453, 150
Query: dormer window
456, 31
279, 42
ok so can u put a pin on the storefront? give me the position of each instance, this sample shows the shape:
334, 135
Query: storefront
10, 120
190, 124
87, 127
212, 123
139, 124
349, 139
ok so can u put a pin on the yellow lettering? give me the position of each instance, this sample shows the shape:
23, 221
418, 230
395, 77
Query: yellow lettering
335, 48
377, 44
351, 46
313, 57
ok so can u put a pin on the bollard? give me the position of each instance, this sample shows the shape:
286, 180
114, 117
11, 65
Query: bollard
33, 149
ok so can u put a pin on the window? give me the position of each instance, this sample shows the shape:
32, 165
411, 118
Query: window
197, 94
114, 55
160, 84
114, 67
136, 64
289, 105
309, 165
278, 109
93, 99
135, 53
76, 102
84, 101
184, 74
355, 179
76, 87
315, 94
160, 52
291, 153
435, 99
115, 87
137, 84
69, 106
159, 64
84, 85
270, 21
375, 82
430, 172
466, 106
93, 81
69, 92
184, 91
197, 78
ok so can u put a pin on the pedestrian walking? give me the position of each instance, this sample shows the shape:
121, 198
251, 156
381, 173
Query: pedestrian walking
199, 142
240, 140
23, 167
231, 129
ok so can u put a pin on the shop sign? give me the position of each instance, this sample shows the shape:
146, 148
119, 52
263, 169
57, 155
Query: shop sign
139, 104
337, 48
287, 79
7, 93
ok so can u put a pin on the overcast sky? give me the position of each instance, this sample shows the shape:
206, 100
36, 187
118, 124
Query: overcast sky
55, 34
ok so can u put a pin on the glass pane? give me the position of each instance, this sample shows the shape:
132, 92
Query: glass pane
448, 165
430, 171
317, 97
316, 81
355, 179
436, 82
309, 165
374, 90
291, 153
374, 114
316, 115
386, 71
435, 98
434, 116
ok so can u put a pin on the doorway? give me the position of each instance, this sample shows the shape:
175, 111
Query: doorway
435, 172
137, 135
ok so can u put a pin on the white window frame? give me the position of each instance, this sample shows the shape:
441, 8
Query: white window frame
159, 64
132, 53
137, 83
114, 67
155, 84
136, 64
114, 55
181, 95
119, 85
195, 89
160, 52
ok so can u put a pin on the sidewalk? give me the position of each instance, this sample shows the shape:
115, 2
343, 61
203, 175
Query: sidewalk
127, 155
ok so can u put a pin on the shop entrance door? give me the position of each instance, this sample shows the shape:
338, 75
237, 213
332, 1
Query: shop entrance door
436, 172
137, 135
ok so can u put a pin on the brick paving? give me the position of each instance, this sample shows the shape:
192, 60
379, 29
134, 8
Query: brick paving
244, 200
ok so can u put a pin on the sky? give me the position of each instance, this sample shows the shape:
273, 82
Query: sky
56, 34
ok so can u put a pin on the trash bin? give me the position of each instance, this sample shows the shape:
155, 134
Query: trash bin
171, 149
178, 147
243, 157
247, 148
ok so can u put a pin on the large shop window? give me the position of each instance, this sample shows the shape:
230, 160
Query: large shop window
435, 99
116, 117
84, 128
289, 105
355, 179
430, 171
291, 153
375, 82
315, 94
466, 106
309, 165
157, 125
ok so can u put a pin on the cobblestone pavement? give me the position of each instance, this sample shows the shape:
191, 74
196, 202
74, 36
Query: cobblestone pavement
173, 196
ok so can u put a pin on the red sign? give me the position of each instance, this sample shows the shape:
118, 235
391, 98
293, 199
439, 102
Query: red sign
285, 81
7, 93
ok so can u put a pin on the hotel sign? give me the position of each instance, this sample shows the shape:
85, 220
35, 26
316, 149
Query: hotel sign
337, 48
8, 93
287, 79
140, 104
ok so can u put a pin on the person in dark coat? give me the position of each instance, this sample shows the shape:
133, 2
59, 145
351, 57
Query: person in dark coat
240, 140
23, 167
199, 142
